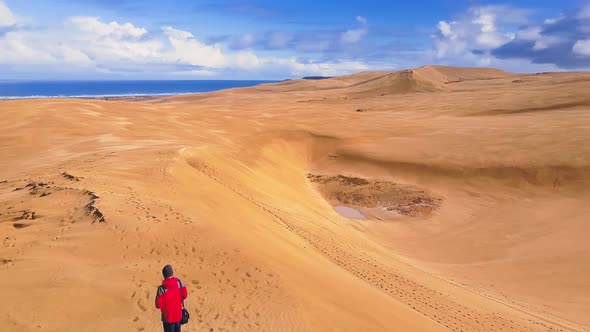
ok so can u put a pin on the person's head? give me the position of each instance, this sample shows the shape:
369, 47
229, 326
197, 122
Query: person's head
167, 271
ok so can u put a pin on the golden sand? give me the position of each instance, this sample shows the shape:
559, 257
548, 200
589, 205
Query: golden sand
475, 182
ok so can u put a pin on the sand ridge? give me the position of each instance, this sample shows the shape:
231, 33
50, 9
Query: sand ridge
224, 186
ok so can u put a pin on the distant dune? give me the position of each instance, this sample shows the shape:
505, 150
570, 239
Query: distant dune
407, 81
423, 79
428, 199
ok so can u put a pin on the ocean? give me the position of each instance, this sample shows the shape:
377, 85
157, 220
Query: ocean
95, 89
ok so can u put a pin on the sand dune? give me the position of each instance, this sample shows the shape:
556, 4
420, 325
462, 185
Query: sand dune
474, 183
372, 84
407, 81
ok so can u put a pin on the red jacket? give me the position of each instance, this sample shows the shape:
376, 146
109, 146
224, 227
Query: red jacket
169, 299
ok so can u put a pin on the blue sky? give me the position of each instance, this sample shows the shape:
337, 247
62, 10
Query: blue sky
262, 39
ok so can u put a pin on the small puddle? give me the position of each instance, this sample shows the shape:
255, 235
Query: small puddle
349, 212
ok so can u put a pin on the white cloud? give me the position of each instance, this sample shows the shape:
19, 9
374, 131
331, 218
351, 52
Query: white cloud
488, 40
90, 45
544, 42
529, 33
355, 35
446, 30
486, 20
582, 47
187, 49
7, 18
470, 39
534, 34
554, 20
94, 26
298, 68
480, 28
361, 20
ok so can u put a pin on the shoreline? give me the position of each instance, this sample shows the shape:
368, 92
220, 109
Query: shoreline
127, 96
106, 97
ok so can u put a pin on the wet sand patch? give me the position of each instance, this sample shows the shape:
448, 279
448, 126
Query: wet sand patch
358, 198
349, 212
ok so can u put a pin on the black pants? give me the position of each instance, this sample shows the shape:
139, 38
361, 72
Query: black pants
171, 327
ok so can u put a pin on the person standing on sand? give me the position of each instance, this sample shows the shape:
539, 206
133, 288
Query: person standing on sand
169, 300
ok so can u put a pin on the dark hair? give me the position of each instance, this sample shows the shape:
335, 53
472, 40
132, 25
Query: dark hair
167, 271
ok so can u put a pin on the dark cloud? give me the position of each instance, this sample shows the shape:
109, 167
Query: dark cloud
553, 44
560, 55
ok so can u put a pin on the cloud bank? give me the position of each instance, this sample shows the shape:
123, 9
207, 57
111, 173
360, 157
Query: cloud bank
506, 36
563, 41
91, 45
500, 36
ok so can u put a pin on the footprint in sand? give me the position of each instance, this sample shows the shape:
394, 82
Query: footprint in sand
141, 307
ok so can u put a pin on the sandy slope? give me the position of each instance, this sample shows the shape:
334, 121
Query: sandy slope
224, 187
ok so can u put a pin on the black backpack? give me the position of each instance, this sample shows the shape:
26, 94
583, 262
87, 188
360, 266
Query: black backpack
185, 315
